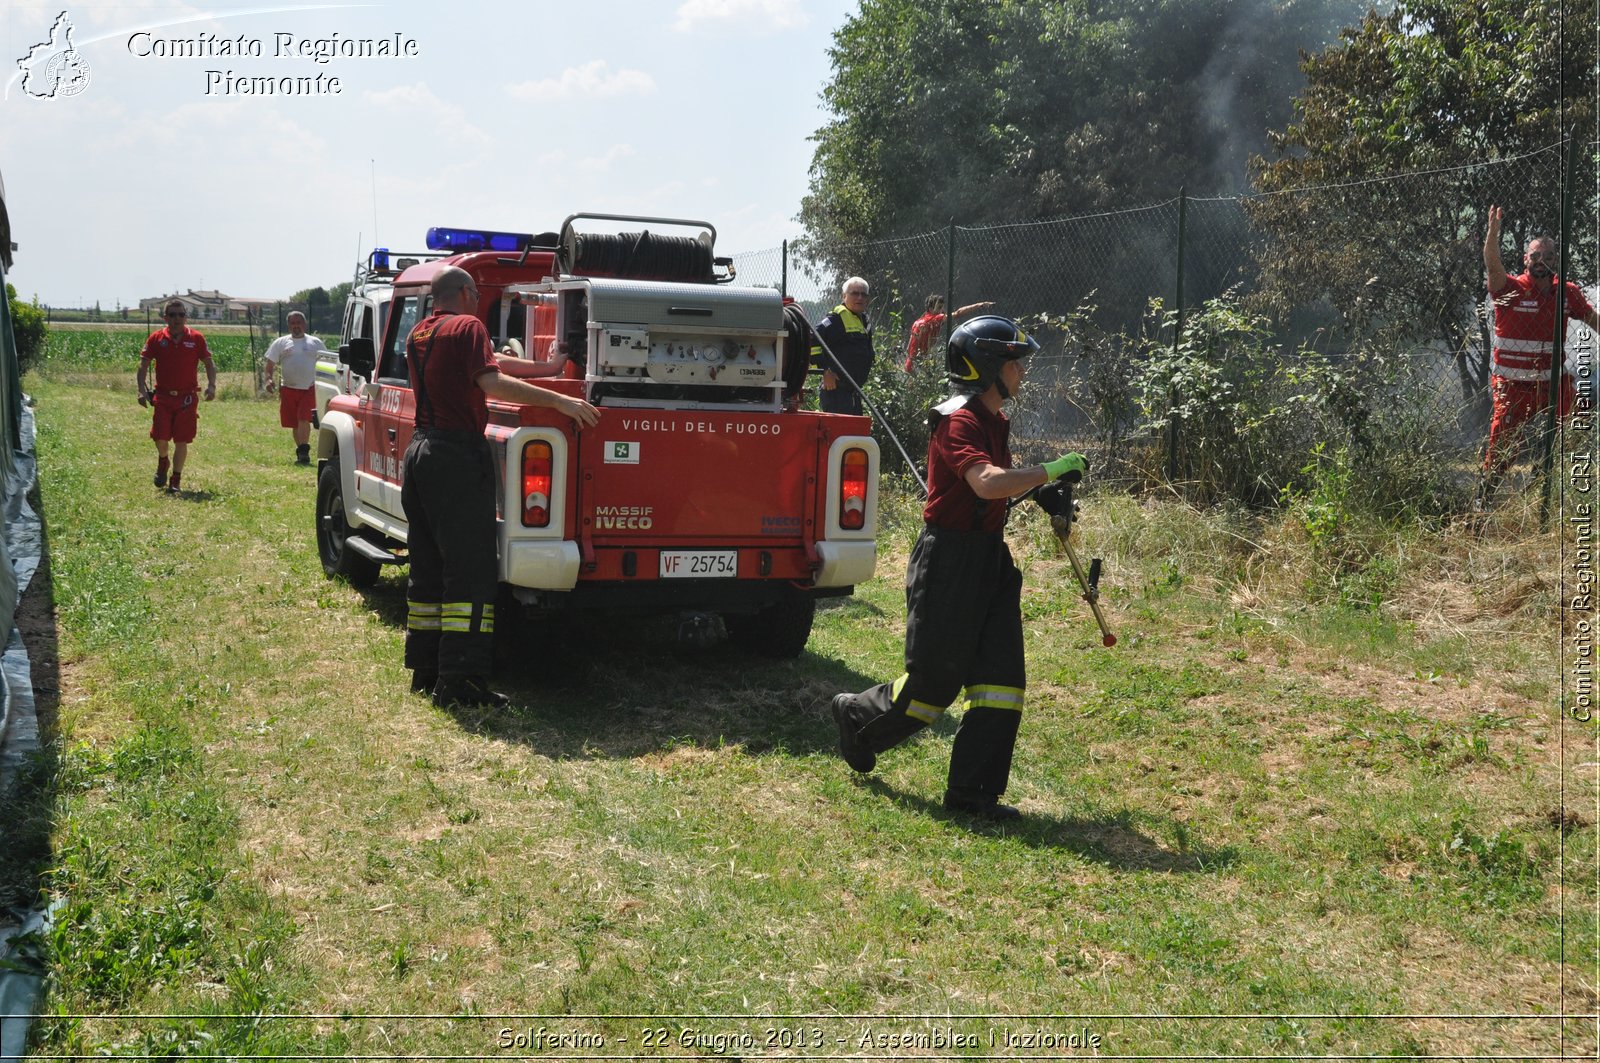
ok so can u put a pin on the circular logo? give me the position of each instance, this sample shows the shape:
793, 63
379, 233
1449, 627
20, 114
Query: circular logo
66, 74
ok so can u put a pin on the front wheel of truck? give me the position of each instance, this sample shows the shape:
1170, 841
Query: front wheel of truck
334, 534
778, 630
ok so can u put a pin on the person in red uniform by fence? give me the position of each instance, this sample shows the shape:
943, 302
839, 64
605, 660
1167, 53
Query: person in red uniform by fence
177, 351
926, 327
1524, 336
447, 492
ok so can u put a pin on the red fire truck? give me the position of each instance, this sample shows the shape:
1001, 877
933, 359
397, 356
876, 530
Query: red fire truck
704, 489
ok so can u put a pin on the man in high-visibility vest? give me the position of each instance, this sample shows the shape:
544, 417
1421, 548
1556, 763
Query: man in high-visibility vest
848, 335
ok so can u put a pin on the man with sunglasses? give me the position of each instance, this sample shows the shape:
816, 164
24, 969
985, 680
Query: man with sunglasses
1524, 336
849, 336
177, 350
963, 591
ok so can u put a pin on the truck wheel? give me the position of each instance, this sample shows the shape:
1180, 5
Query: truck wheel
333, 533
779, 630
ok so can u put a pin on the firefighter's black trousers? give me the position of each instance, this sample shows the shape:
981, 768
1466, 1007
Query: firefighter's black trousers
963, 629
448, 497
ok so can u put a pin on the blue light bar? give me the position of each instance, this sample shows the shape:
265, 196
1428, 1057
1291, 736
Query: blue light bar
462, 240
380, 258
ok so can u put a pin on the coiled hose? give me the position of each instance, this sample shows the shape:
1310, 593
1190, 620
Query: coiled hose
642, 255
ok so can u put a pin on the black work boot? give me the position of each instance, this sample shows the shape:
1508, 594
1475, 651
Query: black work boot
855, 752
984, 806
423, 682
302, 454
471, 691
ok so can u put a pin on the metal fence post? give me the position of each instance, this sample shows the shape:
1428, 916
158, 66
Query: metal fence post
1177, 339
255, 368
1559, 340
949, 282
783, 273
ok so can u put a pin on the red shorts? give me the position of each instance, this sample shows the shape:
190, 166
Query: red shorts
295, 405
1516, 403
176, 417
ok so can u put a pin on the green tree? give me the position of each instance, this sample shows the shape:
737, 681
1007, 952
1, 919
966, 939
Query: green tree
1428, 88
28, 327
1009, 110
317, 303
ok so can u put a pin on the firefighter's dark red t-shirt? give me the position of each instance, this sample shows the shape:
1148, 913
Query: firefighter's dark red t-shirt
967, 437
176, 359
445, 355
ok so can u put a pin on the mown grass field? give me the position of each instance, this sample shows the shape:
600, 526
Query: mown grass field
1263, 825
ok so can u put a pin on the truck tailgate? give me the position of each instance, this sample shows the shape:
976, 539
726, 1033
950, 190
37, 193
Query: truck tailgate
676, 478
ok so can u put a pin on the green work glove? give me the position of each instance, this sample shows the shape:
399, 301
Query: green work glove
1065, 464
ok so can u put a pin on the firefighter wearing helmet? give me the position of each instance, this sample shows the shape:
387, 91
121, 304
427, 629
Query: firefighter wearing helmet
963, 591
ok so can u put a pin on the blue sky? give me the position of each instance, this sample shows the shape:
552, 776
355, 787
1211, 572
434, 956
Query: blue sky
509, 116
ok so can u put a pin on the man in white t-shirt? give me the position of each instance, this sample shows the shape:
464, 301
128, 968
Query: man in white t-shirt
297, 398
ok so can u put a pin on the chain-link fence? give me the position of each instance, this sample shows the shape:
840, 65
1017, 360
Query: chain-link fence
1350, 316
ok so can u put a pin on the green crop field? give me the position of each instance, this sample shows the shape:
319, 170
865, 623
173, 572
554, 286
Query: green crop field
89, 349
1266, 824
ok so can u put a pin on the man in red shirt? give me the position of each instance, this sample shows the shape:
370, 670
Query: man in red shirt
176, 350
926, 327
963, 591
1524, 335
447, 491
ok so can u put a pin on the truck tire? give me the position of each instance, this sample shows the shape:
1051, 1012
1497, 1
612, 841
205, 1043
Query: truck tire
779, 630
332, 533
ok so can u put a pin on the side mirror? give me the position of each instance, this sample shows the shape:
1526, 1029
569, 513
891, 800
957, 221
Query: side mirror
359, 355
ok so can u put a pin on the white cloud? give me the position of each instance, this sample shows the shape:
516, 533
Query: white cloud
615, 154
759, 17
593, 79
413, 100
419, 103
233, 129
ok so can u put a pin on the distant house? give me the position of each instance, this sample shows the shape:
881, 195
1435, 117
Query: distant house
259, 309
212, 306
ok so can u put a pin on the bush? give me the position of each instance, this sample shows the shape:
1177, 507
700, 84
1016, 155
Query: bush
28, 327
1226, 396
904, 399
1249, 418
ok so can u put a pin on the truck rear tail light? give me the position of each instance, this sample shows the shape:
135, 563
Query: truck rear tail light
537, 474
853, 489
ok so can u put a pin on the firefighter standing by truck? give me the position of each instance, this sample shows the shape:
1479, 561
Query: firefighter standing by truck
963, 591
849, 336
448, 494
